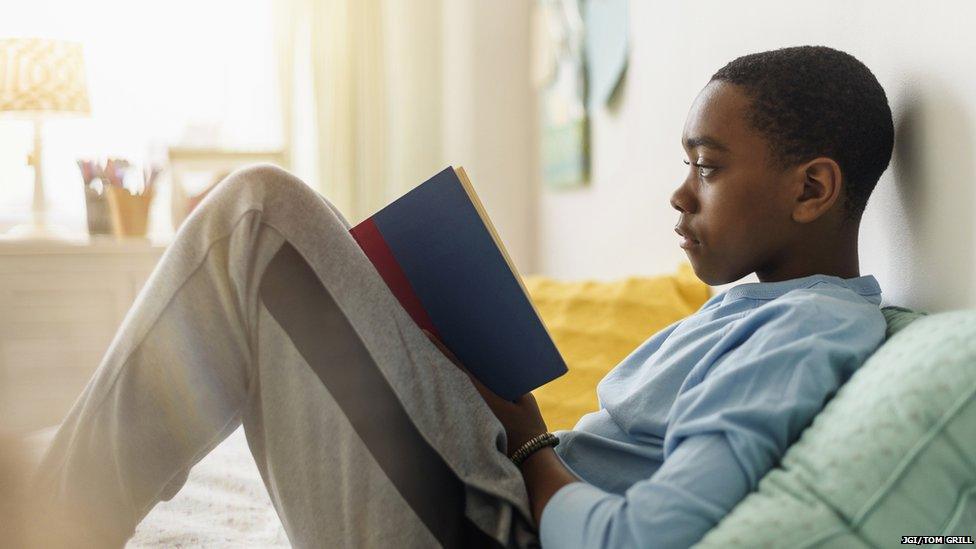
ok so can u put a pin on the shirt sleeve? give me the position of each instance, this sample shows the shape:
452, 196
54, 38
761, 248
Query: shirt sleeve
725, 431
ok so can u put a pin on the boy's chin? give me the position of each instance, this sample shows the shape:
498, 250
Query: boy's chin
713, 276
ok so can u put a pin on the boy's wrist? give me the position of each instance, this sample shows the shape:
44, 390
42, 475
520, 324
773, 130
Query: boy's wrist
544, 474
533, 445
539, 459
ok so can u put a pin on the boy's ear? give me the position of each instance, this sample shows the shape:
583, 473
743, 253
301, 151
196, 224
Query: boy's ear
820, 185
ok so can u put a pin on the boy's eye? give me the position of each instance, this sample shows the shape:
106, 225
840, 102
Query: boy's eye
701, 167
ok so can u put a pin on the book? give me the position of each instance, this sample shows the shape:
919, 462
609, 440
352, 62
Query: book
440, 255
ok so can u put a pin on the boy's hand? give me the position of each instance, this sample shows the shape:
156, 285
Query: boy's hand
543, 472
522, 419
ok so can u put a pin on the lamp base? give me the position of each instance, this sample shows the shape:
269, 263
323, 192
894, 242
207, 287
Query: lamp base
33, 231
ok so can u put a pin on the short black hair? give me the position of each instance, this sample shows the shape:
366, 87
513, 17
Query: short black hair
810, 101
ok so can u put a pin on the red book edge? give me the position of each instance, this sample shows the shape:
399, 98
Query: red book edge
371, 240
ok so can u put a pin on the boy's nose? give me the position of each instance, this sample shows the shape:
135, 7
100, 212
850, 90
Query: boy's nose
682, 200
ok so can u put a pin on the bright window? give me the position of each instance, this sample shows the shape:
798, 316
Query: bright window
181, 72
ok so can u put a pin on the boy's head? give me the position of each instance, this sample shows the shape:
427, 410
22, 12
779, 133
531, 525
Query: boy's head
784, 148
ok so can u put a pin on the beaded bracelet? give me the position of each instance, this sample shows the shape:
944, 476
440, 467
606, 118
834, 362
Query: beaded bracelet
536, 443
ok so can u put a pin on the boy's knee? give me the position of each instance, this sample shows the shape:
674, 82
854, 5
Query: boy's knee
260, 177
265, 183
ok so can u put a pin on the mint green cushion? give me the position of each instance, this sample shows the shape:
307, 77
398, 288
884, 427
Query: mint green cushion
897, 318
892, 454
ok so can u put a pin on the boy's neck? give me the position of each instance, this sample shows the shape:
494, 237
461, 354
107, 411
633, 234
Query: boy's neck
826, 256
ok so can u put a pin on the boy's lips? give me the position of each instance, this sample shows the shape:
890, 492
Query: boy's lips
689, 240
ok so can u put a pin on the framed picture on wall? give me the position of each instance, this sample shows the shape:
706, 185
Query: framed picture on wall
561, 77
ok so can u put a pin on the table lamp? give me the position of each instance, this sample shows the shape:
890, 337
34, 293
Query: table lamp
41, 78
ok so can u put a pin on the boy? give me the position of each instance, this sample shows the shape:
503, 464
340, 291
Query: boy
784, 149
264, 311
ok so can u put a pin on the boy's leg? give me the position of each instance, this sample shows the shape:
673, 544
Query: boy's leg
265, 310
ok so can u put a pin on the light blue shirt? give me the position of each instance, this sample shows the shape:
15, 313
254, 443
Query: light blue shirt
694, 417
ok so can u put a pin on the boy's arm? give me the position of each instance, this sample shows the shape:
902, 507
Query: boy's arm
544, 475
725, 431
698, 484
732, 421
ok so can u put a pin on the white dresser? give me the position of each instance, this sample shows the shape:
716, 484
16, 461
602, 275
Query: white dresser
60, 305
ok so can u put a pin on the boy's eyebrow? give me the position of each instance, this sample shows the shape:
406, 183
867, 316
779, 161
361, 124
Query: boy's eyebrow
705, 141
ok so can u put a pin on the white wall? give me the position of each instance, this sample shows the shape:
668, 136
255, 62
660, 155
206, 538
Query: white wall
918, 235
489, 114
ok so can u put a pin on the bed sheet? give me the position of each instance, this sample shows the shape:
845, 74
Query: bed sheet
223, 504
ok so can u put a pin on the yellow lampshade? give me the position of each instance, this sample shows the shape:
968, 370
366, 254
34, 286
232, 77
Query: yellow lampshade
39, 76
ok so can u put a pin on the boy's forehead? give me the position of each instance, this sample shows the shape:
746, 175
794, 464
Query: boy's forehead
716, 118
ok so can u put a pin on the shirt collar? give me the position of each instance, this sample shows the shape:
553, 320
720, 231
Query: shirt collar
866, 286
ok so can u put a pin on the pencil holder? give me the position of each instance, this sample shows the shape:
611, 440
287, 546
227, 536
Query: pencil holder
97, 208
130, 212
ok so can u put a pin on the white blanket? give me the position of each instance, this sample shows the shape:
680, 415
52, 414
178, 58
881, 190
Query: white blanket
223, 503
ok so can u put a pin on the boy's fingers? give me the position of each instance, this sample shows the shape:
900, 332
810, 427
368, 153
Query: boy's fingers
437, 343
485, 392
447, 352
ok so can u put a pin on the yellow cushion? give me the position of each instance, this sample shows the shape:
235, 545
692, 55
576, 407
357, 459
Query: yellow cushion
596, 324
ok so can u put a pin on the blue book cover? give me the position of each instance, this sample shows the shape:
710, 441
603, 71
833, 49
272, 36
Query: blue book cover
436, 249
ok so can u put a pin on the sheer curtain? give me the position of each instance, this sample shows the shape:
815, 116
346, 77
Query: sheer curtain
354, 90
362, 88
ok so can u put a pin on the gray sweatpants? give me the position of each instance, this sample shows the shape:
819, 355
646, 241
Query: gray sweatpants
265, 311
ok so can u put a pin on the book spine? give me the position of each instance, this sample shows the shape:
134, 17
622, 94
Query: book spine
371, 240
